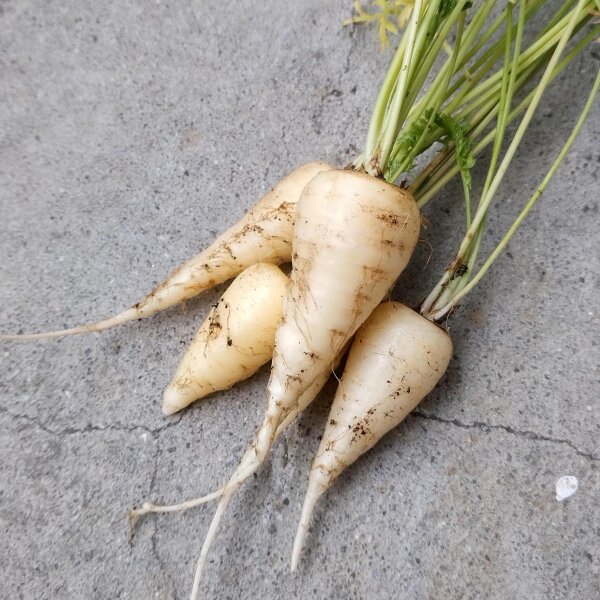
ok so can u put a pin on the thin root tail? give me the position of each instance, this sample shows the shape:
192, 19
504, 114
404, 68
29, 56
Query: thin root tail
208, 540
130, 314
137, 513
248, 465
312, 495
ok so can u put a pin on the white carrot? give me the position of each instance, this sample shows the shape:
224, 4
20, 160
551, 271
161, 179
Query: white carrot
396, 359
264, 234
353, 236
235, 340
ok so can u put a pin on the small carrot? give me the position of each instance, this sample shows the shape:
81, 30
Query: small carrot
396, 359
235, 340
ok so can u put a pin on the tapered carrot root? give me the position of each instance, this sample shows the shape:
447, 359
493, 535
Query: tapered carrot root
264, 234
396, 359
353, 236
235, 340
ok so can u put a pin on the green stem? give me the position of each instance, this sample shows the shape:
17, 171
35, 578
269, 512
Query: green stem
528, 206
548, 38
438, 296
443, 168
418, 108
452, 281
374, 156
468, 43
423, 41
383, 99
484, 94
392, 169
546, 78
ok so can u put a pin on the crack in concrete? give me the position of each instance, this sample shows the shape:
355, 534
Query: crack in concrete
155, 469
352, 37
486, 427
285, 145
331, 90
480, 425
89, 428
153, 545
155, 433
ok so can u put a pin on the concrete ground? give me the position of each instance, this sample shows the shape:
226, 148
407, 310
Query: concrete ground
130, 134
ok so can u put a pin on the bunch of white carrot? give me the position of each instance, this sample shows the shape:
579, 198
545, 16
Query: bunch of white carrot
350, 233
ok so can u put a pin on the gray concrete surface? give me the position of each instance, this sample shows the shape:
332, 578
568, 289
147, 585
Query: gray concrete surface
130, 134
